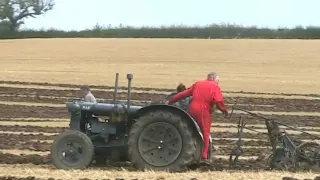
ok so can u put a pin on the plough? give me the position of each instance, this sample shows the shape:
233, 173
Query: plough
287, 154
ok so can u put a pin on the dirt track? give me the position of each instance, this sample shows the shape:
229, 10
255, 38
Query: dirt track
37, 143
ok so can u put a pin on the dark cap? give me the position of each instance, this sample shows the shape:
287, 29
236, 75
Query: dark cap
85, 87
181, 87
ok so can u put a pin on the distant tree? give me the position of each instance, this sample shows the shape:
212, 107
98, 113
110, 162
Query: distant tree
4, 27
14, 12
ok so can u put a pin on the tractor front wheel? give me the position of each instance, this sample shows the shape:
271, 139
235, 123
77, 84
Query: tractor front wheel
161, 141
72, 150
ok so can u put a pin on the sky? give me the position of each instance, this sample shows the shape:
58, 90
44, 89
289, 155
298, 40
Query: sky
83, 14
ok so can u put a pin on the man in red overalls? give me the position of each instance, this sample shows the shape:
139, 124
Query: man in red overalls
205, 93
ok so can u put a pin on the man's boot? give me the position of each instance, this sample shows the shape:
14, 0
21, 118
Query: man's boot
205, 162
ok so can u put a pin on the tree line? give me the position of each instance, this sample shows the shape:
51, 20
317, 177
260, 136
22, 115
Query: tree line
14, 12
209, 32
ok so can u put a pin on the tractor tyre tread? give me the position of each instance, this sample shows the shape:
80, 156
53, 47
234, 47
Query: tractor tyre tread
188, 146
86, 141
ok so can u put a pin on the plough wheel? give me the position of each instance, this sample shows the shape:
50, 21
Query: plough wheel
279, 161
308, 155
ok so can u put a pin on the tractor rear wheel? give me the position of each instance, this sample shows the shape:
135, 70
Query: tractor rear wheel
72, 150
162, 141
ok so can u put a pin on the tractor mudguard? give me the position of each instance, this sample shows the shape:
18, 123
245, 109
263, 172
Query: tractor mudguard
172, 109
75, 112
78, 111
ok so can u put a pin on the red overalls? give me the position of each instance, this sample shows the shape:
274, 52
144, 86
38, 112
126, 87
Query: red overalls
205, 94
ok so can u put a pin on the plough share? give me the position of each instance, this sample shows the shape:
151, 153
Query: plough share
287, 154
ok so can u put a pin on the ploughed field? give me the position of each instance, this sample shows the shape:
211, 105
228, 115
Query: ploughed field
32, 114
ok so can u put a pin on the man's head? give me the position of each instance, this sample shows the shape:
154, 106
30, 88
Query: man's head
181, 87
213, 77
84, 89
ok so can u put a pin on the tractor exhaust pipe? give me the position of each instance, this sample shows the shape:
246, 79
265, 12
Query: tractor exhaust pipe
129, 77
116, 88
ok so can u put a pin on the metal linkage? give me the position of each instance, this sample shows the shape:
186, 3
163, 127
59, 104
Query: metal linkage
237, 151
286, 154
277, 122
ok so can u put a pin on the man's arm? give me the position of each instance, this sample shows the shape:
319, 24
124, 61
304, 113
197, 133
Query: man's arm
221, 106
219, 101
181, 95
171, 94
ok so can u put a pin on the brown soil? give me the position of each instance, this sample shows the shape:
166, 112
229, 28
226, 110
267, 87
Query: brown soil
32, 129
73, 93
18, 111
139, 88
24, 137
31, 120
10, 143
77, 86
22, 178
6, 158
35, 95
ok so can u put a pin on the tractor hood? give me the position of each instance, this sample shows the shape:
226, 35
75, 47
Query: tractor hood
73, 105
99, 109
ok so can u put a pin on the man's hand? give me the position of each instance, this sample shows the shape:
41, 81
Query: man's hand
225, 113
166, 102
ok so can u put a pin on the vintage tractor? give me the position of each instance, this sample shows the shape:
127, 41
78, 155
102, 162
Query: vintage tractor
156, 136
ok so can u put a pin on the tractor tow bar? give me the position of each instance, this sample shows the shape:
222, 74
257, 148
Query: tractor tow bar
277, 122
